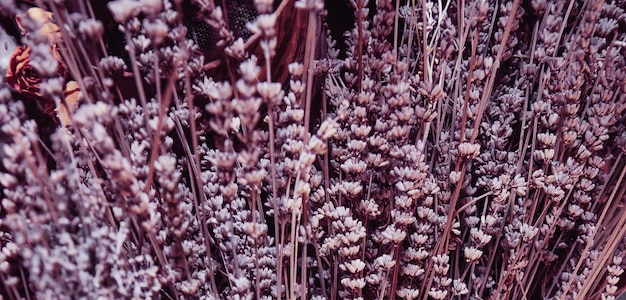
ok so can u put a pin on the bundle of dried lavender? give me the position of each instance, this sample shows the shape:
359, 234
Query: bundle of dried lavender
439, 150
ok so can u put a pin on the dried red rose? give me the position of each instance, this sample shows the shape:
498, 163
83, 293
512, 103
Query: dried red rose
22, 76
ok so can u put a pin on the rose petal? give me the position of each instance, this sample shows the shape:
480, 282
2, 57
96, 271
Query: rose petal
72, 98
44, 19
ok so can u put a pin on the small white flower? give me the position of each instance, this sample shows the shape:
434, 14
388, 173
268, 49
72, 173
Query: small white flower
356, 146
327, 129
235, 124
266, 24
296, 69
438, 294
615, 270
528, 232
296, 86
459, 288
412, 270
241, 284
519, 185
165, 163
610, 289
547, 139
249, 70
469, 150
353, 266
454, 177
472, 254
157, 30
90, 29
122, 10
407, 293
393, 234
350, 188
219, 90
441, 259
488, 220
480, 237
385, 261
236, 49
268, 90
355, 284
455, 228
544, 155
349, 251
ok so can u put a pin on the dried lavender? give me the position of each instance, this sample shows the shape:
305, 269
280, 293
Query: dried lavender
438, 150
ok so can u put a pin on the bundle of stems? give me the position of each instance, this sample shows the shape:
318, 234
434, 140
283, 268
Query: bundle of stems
443, 149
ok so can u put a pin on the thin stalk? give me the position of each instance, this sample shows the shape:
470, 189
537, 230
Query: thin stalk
281, 245
383, 287
496, 65
395, 29
164, 105
257, 281
472, 202
193, 164
561, 269
536, 255
38, 167
472, 65
359, 47
442, 244
274, 202
295, 222
309, 54
136, 74
272, 145
522, 149
396, 269
427, 71
535, 203
13, 294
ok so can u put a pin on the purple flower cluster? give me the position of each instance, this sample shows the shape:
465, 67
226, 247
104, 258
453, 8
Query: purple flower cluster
439, 150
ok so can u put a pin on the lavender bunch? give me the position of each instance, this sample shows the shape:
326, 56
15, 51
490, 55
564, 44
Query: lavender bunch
434, 150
